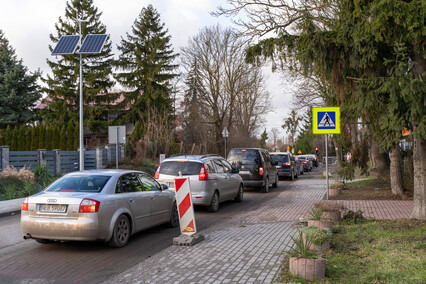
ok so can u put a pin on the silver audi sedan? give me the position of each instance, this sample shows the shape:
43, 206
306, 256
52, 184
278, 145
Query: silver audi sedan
104, 205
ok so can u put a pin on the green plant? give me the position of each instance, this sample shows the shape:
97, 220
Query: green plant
317, 235
301, 247
43, 176
315, 214
347, 171
29, 188
351, 217
11, 191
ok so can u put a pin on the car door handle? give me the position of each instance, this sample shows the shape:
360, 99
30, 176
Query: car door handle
131, 200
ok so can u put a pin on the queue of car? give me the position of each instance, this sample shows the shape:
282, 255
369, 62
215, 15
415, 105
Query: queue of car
112, 205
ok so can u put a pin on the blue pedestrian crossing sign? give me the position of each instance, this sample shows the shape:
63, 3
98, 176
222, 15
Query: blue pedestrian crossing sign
326, 120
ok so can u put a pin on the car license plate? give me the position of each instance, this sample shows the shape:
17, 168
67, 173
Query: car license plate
244, 172
54, 208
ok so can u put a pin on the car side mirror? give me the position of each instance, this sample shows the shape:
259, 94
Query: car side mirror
164, 187
235, 171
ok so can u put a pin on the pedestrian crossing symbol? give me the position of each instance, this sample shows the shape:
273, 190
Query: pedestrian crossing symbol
326, 120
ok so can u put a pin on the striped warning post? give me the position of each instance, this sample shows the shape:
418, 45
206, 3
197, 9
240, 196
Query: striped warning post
185, 207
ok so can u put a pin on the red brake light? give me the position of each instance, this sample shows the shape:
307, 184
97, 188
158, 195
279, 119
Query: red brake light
89, 206
24, 206
157, 172
203, 173
304, 162
243, 150
287, 164
261, 171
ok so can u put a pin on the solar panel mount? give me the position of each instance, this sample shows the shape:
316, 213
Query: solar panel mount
66, 45
92, 44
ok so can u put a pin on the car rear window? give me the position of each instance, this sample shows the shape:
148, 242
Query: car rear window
185, 167
280, 158
243, 156
79, 184
302, 158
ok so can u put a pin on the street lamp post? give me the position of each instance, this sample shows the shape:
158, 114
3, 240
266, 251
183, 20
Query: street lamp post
81, 104
225, 135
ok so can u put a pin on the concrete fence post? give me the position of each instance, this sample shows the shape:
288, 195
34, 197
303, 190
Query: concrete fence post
99, 158
57, 161
4, 157
42, 156
123, 151
109, 150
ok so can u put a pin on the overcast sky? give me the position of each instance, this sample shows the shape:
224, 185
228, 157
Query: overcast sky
28, 23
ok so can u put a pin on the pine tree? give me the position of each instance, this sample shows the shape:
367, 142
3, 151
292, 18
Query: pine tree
146, 62
263, 139
14, 143
21, 138
56, 138
34, 138
70, 136
41, 137
1, 137
63, 139
19, 91
63, 84
8, 136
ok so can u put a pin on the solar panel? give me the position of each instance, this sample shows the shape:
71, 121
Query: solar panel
93, 44
66, 45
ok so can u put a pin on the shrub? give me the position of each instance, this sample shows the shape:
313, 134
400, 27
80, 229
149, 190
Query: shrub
329, 206
351, 217
315, 214
317, 235
43, 176
301, 248
23, 174
10, 187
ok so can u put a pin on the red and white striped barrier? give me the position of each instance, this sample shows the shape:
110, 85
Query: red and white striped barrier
185, 207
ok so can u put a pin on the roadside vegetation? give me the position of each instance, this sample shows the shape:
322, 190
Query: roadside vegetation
372, 251
22, 183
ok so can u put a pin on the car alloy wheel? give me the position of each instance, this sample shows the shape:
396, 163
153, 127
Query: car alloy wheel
240, 194
174, 218
121, 233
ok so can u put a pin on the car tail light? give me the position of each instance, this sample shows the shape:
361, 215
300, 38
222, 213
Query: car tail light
157, 172
304, 162
24, 206
89, 206
286, 164
261, 171
203, 173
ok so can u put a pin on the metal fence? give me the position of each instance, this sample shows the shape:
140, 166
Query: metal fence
58, 161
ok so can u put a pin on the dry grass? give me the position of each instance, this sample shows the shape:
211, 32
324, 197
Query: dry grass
329, 206
23, 174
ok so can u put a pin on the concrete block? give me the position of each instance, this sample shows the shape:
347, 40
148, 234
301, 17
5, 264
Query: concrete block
184, 240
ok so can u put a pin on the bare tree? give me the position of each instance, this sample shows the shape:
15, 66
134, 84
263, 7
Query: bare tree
223, 90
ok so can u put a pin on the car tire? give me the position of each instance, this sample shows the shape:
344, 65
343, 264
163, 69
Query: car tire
43, 241
275, 184
214, 204
265, 188
174, 218
297, 174
240, 194
292, 176
121, 233
301, 172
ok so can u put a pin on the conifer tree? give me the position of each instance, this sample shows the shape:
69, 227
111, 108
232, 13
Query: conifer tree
41, 137
63, 84
1, 137
63, 139
56, 137
19, 90
34, 138
48, 143
21, 138
8, 136
28, 139
70, 136
14, 143
146, 66
76, 144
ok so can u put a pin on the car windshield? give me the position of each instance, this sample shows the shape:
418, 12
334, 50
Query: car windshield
280, 158
93, 183
243, 156
186, 168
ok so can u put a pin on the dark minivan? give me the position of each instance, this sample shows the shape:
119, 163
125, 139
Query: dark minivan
256, 167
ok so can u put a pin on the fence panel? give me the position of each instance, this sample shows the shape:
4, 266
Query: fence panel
51, 161
90, 159
69, 161
20, 159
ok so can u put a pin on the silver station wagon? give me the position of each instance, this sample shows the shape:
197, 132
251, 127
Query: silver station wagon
212, 179
105, 205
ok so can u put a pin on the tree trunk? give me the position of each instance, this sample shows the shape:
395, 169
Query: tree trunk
395, 172
419, 158
379, 164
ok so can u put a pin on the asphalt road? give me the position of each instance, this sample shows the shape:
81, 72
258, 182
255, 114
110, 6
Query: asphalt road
25, 261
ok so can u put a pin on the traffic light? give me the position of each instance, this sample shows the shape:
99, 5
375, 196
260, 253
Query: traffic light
316, 151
